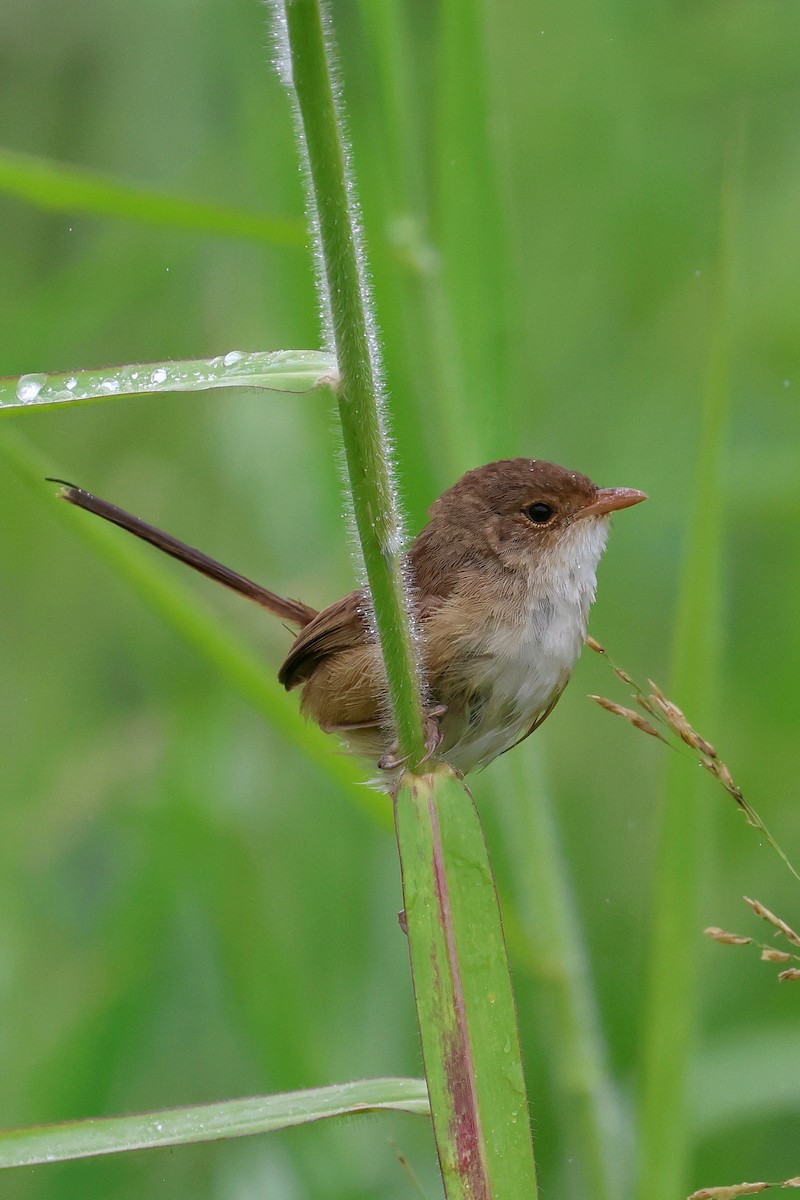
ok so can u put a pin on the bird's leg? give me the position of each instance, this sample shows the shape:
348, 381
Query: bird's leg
433, 740
433, 730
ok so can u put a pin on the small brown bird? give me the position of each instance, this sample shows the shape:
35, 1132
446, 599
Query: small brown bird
503, 577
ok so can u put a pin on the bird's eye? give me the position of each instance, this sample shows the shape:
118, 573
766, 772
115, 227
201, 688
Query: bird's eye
539, 513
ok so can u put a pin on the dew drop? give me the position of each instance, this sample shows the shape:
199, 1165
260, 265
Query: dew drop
72, 383
232, 357
159, 375
29, 386
109, 385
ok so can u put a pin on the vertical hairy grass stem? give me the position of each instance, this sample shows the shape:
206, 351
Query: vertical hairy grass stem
352, 333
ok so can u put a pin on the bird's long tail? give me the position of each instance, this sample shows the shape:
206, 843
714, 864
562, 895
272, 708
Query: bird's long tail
291, 610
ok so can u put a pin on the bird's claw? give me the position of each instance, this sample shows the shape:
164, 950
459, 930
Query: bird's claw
433, 730
389, 761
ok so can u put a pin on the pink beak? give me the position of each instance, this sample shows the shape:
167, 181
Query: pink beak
609, 500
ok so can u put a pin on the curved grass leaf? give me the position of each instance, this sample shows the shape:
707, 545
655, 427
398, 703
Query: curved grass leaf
277, 371
59, 187
208, 1122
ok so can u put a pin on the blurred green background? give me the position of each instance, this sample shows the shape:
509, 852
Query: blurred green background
190, 908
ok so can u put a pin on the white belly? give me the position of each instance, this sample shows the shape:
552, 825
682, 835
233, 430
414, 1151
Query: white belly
521, 672
518, 669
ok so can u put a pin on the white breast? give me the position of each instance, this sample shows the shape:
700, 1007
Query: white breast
524, 664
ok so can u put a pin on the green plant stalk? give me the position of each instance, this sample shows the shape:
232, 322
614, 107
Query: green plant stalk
208, 1122
671, 1003
552, 947
358, 393
465, 1002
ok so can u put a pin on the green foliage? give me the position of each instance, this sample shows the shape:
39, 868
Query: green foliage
190, 911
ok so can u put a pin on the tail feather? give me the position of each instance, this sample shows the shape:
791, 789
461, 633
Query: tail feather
291, 610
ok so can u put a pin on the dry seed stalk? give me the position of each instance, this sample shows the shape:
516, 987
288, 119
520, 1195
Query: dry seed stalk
665, 712
728, 939
741, 1189
768, 953
761, 910
630, 715
729, 1193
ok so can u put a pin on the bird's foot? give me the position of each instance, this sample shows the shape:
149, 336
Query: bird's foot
391, 761
433, 730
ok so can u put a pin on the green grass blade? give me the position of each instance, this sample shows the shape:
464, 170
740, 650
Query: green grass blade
61, 188
451, 439
471, 222
671, 1003
465, 1003
208, 1122
277, 371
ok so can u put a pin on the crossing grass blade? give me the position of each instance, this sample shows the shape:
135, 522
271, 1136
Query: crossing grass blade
208, 1122
278, 371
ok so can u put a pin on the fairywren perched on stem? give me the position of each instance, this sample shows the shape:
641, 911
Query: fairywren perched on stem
503, 576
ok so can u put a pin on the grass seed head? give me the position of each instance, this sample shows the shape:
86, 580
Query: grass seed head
729, 1193
665, 712
762, 911
770, 954
728, 939
627, 714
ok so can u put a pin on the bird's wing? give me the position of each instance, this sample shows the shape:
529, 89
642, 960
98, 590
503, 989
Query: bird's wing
338, 627
341, 626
